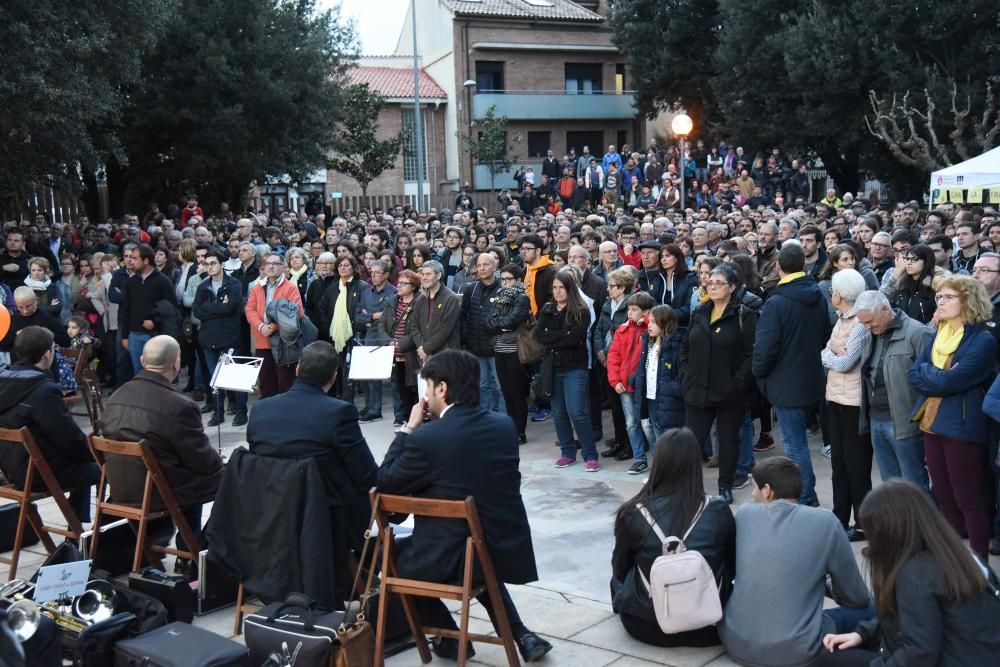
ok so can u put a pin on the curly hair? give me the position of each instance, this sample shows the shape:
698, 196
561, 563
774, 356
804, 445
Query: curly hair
976, 307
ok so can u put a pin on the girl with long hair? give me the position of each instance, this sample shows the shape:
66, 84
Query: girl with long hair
562, 328
933, 599
659, 402
673, 496
910, 286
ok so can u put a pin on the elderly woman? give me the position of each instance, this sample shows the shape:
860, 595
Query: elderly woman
337, 311
299, 271
395, 325
716, 380
850, 451
950, 376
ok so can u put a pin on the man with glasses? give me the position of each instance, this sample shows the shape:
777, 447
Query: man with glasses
367, 315
274, 379
628, 253
218, 305
882, 261
538, 275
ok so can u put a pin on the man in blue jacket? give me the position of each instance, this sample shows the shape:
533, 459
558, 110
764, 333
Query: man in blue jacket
218, 304
791, 332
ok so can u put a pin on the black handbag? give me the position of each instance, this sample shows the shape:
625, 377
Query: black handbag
8, 527
180, 645
544, 380
173, 591
308, 632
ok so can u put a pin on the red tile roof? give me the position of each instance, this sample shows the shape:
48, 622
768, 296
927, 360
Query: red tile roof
522, 9
395, 81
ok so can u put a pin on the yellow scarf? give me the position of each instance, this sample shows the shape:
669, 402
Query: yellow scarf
340, 326
945, 343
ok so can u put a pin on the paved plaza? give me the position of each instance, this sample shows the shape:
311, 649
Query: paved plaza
571, 514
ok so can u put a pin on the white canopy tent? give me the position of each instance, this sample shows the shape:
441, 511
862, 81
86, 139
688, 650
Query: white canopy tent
980, 172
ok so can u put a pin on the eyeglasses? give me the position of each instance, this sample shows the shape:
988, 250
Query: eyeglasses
943, 298
900, 251
212, 263
880, 245
911, 259
404, 282
506, 278
527, 248
716, 283
983, 269
612, 286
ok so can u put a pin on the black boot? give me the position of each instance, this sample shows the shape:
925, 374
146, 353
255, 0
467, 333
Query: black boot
612, 449
726, 493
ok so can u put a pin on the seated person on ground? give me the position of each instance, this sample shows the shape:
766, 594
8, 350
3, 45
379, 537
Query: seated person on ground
784, 553
464, 451
147, 407
304, 422
30, 396
673, 496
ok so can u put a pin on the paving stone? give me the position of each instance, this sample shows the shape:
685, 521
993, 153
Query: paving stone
610, 635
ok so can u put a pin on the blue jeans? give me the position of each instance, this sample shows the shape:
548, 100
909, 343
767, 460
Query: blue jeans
745, 462
796, 444
846, 619
212, 360
569, 410
652, 433
490, 396
123, 362
137, 341
898, 458
633, 427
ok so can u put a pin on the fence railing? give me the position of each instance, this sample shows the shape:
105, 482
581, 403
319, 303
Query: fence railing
58, 206
387, 202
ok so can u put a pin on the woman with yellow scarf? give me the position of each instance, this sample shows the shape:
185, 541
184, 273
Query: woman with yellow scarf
951, 376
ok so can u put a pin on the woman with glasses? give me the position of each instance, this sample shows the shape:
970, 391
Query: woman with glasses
562, 328
950, 376
395, 324
910, 285
621, 282
510, 309
717, 382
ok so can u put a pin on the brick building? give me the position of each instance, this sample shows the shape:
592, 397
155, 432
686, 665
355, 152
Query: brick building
549, 66
392, 77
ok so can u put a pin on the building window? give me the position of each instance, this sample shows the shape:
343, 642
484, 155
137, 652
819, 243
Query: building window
539, 143
489, 76
622, 139
583, 78
410, 145
619, 78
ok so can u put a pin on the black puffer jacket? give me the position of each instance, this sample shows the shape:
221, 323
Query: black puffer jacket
503, 319
716, 356
477, 338
636, 545
565, 340
220, 313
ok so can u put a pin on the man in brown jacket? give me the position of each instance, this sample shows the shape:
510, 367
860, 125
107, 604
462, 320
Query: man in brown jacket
436, 314
148, 407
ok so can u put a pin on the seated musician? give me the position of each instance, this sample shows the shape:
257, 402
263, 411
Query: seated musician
304, 422
464, 451
30, 396
148, 408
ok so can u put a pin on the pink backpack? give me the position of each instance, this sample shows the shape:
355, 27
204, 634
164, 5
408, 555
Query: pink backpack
681, 583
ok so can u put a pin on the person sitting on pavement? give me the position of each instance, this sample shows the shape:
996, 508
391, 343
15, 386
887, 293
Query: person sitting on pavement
802, 547
30, 396
148, 408
463, 451
673, 497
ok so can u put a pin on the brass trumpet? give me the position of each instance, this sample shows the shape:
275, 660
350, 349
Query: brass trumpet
96, 604
23, 615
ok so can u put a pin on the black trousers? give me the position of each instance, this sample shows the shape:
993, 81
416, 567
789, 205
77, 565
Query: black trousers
407, 393
851, 459
515, 387
728, 420
649, 632
617, 412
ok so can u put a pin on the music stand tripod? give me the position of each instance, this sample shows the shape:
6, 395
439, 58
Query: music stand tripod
234, 374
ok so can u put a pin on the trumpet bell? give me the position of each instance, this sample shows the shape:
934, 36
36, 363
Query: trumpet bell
96, 604
23, 618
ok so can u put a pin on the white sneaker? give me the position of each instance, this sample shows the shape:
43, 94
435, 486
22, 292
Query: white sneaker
825, 451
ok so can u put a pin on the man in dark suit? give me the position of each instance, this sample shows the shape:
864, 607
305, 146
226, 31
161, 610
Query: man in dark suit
464, 451
332, 437
147, 407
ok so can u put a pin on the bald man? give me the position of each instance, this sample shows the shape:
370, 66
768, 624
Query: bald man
147, 407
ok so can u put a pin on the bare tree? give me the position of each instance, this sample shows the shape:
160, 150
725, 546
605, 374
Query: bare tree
911, 132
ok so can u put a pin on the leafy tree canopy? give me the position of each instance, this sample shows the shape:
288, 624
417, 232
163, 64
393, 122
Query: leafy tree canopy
797, 73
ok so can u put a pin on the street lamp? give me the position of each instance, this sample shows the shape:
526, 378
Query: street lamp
681, 126
469, 85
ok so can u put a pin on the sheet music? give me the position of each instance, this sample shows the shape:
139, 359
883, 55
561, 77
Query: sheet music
370, 362
237, 373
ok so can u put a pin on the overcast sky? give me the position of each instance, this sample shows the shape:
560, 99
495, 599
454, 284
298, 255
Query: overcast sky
379, 21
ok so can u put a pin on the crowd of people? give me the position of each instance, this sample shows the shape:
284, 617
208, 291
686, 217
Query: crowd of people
872, 325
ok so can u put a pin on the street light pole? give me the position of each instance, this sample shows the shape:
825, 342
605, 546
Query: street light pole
469, 85
681, 126
418, 126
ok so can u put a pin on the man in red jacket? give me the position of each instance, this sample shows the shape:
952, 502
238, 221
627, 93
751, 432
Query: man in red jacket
623, 362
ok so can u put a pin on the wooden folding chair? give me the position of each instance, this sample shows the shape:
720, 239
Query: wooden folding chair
85, 384
139, 517
475, 548
25, 497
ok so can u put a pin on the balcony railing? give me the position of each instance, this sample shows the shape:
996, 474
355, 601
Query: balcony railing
556, 104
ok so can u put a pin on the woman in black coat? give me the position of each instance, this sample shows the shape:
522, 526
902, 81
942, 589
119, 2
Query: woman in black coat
715, 369
680, 282
910, 287
933, 602
507, 311
674, 493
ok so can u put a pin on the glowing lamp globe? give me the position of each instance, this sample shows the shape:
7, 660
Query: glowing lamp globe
681, 125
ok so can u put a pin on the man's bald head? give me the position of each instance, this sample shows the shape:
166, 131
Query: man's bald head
162, 355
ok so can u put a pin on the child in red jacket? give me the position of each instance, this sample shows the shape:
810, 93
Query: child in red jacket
623, 360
